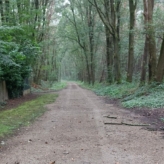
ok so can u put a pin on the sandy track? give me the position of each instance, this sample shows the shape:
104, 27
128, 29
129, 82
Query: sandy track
73, 132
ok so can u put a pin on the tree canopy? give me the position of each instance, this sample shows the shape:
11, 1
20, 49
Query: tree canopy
89, 40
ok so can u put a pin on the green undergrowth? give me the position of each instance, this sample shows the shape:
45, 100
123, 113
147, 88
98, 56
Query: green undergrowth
47, 86
147, 96
116, 91
23, 115
59, 85
131, 95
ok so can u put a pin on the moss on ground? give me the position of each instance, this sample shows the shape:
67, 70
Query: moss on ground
23, 115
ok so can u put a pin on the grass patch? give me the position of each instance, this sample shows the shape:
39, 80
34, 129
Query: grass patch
58, 86
23, 115
47, 86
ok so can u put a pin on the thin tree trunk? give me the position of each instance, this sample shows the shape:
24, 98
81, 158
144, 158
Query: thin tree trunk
7, 10
19, 7
117, 60
36, 4
88, 70
102, 76
109, 53
91, 43
2, 11
109, 57
144, 62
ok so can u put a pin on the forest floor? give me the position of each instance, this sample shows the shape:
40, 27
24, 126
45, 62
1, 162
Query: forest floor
82, 128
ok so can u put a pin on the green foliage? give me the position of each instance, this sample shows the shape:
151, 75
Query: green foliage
58, 85
26, 43
16, 58
53, 76
49, 86
11, 33
12, 119
146, 96
131, 95
1, 72
114, 90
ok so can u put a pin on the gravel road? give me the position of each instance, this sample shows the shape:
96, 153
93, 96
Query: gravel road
72, 131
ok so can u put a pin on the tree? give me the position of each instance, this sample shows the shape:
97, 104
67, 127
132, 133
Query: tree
160, 66
112, 24
82, 31
132, 8
25, 31
15, 59
150, 44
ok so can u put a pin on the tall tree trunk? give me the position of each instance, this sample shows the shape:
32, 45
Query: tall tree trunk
7, 10
160, 66
132, 8
109, 53
91, 43
36, 4
2, 11
87, 67
115, 14
117, 70
112, 22
144, 62
19, 7
41, 36
109, 56
150, 41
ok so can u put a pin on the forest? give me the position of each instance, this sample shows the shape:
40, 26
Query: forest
116, 47
94, 75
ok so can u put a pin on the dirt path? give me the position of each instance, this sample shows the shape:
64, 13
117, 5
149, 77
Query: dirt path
73, 132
